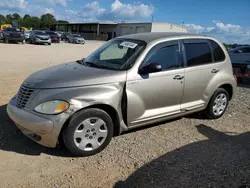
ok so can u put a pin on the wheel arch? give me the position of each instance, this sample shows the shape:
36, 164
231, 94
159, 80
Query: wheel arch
105, 107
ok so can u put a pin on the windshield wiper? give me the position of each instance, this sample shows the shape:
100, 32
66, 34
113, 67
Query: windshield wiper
92, 64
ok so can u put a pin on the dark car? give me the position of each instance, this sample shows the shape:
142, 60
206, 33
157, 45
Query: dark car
39, 37
77, 39
12, 34
65, 36
54, 36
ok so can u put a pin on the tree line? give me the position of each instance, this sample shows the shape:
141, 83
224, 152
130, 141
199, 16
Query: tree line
45, 21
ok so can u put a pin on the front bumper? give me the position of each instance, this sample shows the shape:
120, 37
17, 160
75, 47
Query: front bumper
80, 41
15, 38
35, 127
43, 41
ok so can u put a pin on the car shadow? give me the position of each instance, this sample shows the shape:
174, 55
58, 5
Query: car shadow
220, 161
11, 139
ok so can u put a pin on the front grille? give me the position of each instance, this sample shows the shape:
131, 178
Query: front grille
23, 96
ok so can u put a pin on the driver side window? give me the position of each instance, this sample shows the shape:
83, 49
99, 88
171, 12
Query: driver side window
165, 54
113, 52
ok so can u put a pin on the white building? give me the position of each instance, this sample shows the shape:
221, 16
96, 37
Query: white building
132, 28
107, 30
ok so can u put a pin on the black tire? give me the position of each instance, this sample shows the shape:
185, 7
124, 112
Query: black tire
23, 42
68, 133
6, 41
209, 111
49, 44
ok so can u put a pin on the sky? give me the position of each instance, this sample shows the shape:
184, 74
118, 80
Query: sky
227, 20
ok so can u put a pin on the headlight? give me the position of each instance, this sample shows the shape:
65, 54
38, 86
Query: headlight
52, 107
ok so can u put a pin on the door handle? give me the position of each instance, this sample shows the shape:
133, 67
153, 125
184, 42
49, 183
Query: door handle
215, 70
178, 77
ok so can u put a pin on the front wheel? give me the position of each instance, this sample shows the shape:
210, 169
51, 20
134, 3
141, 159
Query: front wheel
88, 132
218, 104
6, 41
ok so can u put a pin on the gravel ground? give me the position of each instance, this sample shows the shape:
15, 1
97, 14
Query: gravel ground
188, 152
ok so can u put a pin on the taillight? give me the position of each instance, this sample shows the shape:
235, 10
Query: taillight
235, 77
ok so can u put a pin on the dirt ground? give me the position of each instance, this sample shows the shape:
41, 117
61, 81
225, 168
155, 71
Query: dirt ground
188, 152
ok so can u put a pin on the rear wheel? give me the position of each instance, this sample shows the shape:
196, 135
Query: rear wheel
88, 132
218, 104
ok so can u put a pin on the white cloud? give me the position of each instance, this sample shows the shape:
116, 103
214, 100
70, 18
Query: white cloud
228, 33
55, 2
117, 10
13, 4
49, 10
194, 28
131, 10
229, 28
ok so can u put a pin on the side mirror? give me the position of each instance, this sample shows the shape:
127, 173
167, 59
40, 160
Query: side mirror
150, 68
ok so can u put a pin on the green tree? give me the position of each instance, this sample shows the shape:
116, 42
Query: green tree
62, 22
47, 21
2, 19
34, 22
8, 19
26, 21
16, 17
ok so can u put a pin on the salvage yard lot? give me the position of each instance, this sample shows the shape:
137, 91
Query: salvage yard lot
189, 152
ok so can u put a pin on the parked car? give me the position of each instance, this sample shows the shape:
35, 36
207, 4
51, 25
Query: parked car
77, 39
39, 37
240, 57
27, 34
59, 33
65, 36
12, 34
54, 37
128, 82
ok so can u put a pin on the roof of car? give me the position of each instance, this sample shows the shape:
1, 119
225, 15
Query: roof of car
149, 37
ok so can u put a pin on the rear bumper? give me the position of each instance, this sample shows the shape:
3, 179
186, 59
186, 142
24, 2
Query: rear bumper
37, 128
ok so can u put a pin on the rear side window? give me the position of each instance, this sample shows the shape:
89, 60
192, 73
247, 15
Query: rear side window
197, 52
217, 51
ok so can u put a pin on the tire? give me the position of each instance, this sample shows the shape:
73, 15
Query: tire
218, 104
102, 125
6, 41
49, 44
23, 42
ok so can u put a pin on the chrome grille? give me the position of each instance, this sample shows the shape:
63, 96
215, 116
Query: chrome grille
23, 96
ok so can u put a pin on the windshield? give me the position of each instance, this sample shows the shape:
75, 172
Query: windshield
77, 36
40, 33
117, 54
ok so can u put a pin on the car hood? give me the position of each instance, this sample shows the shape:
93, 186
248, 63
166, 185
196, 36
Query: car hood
43, 36
72, 75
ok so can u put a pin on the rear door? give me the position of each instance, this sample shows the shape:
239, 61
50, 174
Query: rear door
201, 67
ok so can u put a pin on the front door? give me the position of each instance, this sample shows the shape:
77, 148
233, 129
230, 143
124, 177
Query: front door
156, 95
